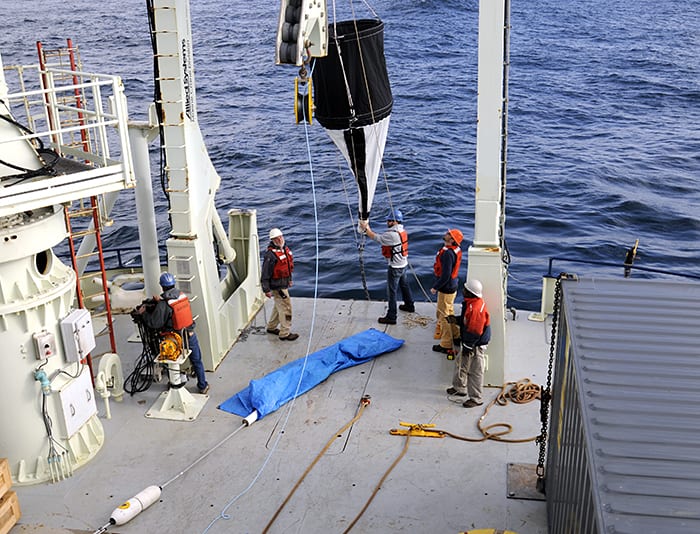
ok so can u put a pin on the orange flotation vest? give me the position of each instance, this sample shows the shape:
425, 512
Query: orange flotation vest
437, 266
182, 312
401, 248
476, 316
285, 263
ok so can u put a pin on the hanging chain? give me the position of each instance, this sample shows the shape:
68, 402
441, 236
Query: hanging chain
363, 276
546, 395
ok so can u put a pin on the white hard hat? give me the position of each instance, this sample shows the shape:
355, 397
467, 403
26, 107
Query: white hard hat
474, 287
275, 232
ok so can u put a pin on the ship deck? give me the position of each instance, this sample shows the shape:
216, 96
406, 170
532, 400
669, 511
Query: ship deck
443, 485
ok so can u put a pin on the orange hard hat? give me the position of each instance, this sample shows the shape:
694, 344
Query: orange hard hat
456, 235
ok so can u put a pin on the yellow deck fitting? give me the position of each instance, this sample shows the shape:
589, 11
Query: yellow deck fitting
417, 430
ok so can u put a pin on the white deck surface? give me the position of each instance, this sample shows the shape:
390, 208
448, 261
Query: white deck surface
440, 486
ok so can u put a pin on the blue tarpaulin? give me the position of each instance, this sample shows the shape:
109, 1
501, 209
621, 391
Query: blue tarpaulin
279, 387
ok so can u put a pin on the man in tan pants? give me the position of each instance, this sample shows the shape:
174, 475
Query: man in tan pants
446, 269
276, 278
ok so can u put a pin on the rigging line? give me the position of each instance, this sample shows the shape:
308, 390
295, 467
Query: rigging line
379, 485
202, 457
363, 404
369, 100
359, 242
360, 239
369, 7
522, 391
425, 293
364, 77
157, 101
342, 66
223, 514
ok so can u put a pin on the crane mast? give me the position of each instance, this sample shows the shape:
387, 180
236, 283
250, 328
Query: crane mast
223, 283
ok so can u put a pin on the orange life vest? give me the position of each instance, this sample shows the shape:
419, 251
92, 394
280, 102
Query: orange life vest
285, 263
401, 248
476, 316
182, 313
437, 266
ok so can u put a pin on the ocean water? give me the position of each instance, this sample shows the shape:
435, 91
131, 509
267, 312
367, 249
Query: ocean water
603, 145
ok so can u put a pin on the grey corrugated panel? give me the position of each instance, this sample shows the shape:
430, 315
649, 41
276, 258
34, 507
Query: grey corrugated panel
635, 370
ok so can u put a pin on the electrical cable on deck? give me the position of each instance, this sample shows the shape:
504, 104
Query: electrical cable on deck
143, 375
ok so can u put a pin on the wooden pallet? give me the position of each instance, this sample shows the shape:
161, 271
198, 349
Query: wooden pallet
9, 504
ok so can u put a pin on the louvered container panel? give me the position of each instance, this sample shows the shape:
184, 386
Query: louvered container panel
624, 438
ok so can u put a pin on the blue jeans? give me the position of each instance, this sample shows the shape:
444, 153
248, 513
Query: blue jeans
395, 279
196, 360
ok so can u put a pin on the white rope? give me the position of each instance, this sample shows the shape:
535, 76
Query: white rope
224, 512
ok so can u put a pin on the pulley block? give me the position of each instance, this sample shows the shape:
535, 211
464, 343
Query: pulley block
303, 103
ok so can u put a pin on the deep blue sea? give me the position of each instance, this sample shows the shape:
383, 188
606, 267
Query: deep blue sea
603, 114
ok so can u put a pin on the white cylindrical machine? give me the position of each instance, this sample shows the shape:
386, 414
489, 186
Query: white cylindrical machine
36, 293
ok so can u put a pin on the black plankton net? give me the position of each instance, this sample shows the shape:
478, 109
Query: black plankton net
353, 100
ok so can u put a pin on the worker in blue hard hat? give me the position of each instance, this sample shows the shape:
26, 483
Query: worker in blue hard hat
394, 244
172, 313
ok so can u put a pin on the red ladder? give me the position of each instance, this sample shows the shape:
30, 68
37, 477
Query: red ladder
90, 216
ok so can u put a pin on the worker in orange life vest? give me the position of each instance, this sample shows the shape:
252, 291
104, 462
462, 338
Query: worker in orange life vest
475, 324
446, 269
276, 279
172, 314
394, 244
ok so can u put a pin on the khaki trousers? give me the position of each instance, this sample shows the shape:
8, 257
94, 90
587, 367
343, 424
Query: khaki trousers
469, 372
281, 312
445, 309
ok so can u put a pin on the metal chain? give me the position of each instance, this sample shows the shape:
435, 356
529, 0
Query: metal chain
546, 395
361, 257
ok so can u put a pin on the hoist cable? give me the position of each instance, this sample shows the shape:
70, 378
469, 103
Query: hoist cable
223, 514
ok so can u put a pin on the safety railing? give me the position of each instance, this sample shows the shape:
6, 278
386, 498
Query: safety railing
65, 137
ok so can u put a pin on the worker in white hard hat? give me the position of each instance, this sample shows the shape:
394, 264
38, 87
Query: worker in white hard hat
276, 279
475, 325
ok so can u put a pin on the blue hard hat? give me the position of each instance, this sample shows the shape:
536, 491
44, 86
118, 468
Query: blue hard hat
395, 215
167, 280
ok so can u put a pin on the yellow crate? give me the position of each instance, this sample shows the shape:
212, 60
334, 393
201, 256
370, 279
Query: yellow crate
5, 477
9, 511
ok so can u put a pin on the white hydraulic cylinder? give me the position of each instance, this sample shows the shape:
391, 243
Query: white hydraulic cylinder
134, 506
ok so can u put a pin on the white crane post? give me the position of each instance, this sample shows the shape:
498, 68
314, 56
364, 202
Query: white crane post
222, 309
485, 254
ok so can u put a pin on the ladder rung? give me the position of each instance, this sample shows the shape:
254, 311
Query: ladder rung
89, 277
87, 255
82, 233
81, 212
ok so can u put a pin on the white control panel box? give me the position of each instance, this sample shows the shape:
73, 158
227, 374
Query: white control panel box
78, 336
77, 399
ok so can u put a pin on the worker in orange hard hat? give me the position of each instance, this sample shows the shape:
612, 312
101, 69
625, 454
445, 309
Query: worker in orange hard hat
446, 268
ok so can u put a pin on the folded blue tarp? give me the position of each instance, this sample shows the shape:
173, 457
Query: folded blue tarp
272, 391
